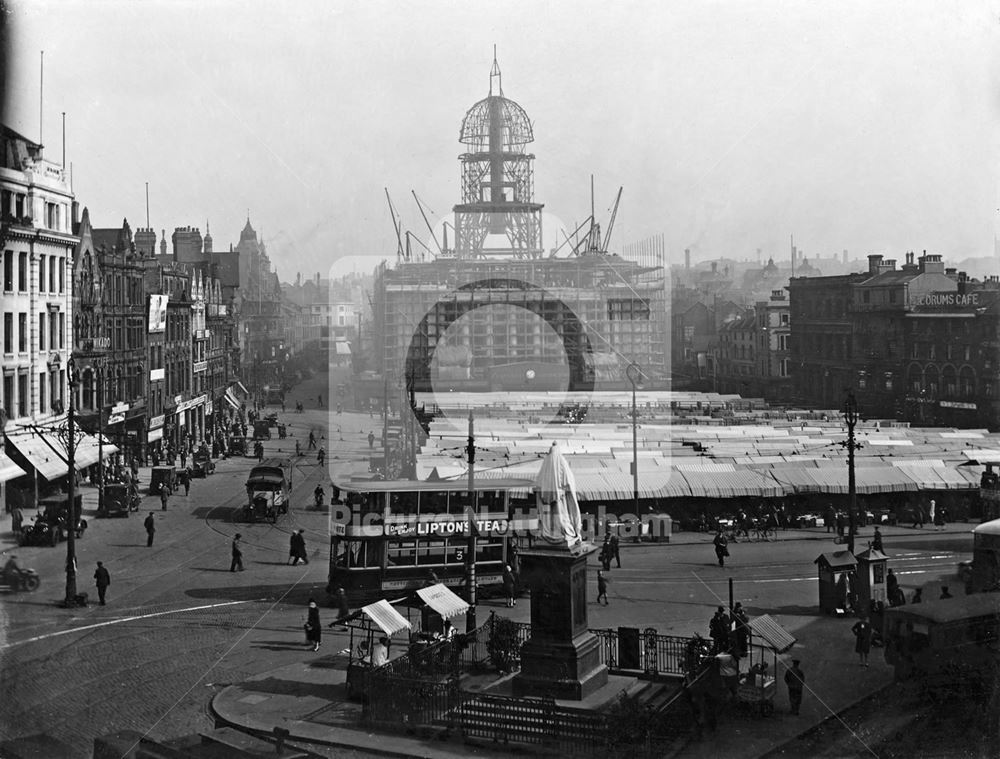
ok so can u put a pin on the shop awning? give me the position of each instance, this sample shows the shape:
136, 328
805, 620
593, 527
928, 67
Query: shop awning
343, 349
88, 451
243, 388
8, 469
35, 448
231, 398
388, 619
767, 631
440, 598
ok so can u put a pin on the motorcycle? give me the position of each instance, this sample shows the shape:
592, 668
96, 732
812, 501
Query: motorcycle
20, 579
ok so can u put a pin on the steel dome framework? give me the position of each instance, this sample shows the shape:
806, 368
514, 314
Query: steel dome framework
497, 180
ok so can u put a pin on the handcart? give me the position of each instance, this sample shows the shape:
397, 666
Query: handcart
757, 687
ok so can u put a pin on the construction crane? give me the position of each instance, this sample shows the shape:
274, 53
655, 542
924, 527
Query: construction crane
397, 226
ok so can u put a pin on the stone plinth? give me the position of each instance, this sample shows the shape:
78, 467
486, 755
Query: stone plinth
562, 658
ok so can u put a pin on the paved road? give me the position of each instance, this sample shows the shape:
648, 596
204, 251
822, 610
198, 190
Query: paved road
178, 625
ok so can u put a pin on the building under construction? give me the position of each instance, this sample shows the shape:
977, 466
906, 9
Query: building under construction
498, 311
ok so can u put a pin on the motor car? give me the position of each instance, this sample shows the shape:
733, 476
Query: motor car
237, 445
120, 498
56, 512
262, 430
162, 475
39, 533
202, 464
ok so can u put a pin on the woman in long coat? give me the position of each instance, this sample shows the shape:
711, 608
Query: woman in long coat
314, 631
863, 639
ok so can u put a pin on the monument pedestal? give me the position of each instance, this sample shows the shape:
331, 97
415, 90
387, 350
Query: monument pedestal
562, 658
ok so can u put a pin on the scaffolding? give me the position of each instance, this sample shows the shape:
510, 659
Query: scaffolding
497, 180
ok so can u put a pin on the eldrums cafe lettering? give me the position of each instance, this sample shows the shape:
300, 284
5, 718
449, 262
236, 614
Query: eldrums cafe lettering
447, 528
945, 299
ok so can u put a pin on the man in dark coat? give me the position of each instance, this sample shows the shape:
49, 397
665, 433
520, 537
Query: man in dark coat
795, 679
103, 579
297, 548
741, 633
150, 526
721, 548
164, 495
613, 545
237, 562
718, 629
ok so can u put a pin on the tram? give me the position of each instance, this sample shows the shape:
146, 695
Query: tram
398, 535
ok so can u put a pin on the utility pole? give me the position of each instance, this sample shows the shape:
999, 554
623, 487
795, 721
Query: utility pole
851, 417
470, 575
99, 376
70, 600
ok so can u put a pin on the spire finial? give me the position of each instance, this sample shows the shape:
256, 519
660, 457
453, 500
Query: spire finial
495, 72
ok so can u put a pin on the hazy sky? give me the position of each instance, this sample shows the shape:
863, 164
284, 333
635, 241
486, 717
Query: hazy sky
730, 125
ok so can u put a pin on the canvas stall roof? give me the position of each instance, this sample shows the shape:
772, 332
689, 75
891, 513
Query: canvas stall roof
987, 528
8, 469
736, 484
796, 479
767, 630
938, 478
440, 598
983, 456
343, 349
387, 618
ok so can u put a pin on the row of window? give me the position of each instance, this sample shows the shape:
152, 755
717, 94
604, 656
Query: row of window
16, 398
51, 273
54, 338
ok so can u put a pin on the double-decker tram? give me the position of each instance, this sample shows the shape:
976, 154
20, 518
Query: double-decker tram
397, 535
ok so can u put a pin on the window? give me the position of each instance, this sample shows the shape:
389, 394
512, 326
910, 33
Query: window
41, 393
51, 216
41, 331
22, 394
41, 273
53, 337
8, 393
62, 384
62, 330
52, 274
8, 332
8, 271
22, 332
22, 272
62, 275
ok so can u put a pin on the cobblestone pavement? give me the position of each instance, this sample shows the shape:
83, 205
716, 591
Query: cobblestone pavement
178, 625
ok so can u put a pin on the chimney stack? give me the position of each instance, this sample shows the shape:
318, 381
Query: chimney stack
874, 260
687, 258
845, 255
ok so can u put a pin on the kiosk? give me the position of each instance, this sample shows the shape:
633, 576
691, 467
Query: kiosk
837, 581
871, 573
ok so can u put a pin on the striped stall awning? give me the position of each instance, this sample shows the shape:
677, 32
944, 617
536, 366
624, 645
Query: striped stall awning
387, 618
440, 598
736, 484
34, 446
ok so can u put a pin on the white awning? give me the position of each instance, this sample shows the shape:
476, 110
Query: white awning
34, 446
343, 349
153, 435
243, 388
440, 598
388, 619
8, 469
231, 398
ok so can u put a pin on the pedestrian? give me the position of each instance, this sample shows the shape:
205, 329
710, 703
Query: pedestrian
945, 593
829, 518
184, 457
321, 401
16, 520
918, 596
103, 579
237, 562
840, 525
721, 547
605, 554
719, 627
164, 495
150, 525
795, 679
343, 607
602, 587
863, 639
298, 448
188, 474
260, 453
508, 585
314, 630
321, 456
614, 552
312, 441
297, 548
729, 671
741, 631
371, 440
940, 518
877, 541
892, 591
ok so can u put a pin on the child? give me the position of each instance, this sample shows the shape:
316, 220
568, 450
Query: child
602, 587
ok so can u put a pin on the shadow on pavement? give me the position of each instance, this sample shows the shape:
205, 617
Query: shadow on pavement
274, 686
298, 596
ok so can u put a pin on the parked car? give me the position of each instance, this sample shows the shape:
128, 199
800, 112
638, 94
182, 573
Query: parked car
41, 532
262, 429
237, 445
162, 475
56, 512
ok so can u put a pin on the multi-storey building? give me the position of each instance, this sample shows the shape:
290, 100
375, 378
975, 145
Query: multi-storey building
918, 342
38, 243
110, 333
752, 352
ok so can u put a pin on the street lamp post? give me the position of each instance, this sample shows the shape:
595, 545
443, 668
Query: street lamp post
851, 417
99, 378
634, 374
70, 600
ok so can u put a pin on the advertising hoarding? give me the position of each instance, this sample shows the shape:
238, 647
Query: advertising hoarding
158, 313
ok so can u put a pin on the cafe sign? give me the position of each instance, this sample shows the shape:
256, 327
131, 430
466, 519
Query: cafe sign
938, 301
